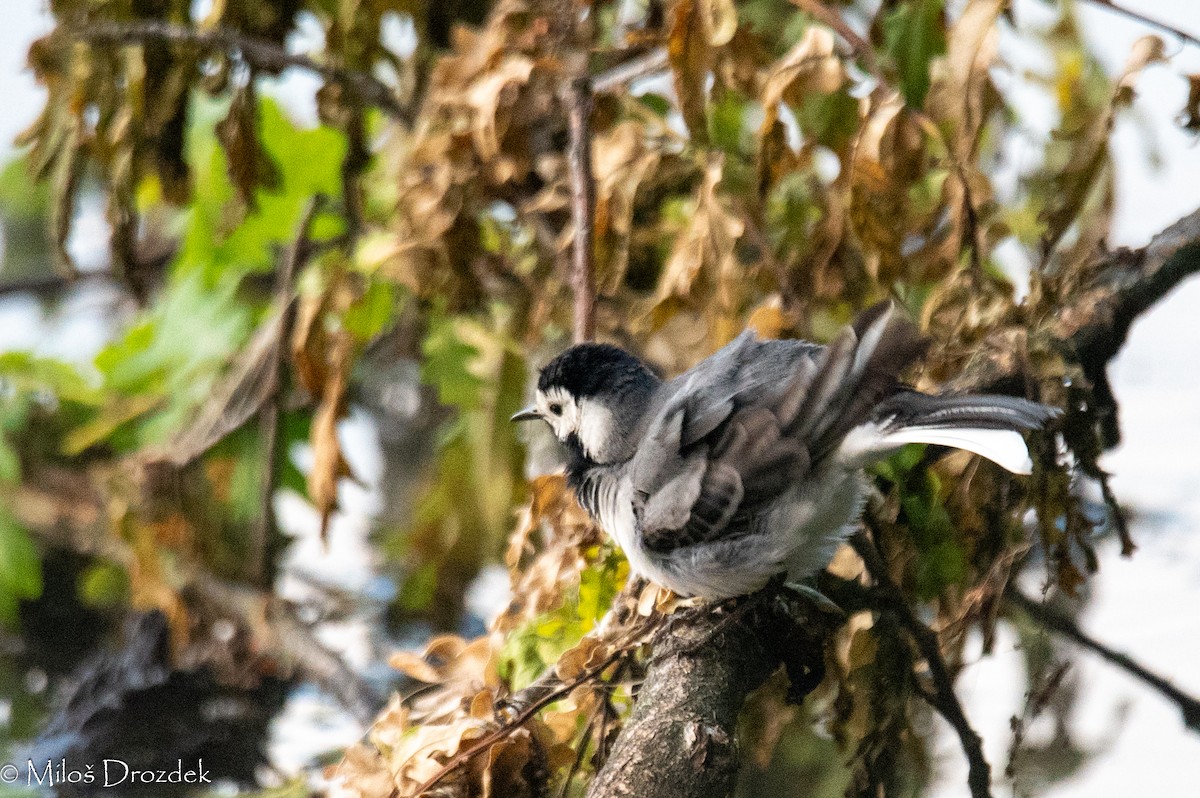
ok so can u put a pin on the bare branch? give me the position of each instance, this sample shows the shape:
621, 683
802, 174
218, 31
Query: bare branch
858, 46
679, 741
624, 73
548, 690
1051, 619
943, 698
281, 633
262, 54
1095, 323
262, 561
583, 206
1128, 283
1137, 16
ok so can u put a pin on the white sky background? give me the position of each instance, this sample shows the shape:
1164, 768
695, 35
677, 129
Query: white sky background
1147, 605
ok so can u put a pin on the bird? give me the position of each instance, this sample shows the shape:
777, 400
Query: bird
751, 464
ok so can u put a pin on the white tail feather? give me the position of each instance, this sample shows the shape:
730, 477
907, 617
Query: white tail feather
1004, 447
869, 442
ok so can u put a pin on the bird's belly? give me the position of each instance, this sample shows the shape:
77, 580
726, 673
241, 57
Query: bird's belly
815, 520
798, 534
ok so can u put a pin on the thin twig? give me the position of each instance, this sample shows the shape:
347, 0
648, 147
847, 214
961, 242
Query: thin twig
622, 74
532, 709
583, 206
585, 740
859, 46
943, 699
259, 53
1137, 16
53, 284
271, 415
1057, 622
1120, 523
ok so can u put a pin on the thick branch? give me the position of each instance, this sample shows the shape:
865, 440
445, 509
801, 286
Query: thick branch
1127, 286
1093, 325
262, 54
681, 739
1055, 621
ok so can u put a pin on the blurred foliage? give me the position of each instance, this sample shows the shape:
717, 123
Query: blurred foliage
773, 172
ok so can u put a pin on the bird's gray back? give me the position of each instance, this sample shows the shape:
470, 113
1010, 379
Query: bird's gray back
745, 371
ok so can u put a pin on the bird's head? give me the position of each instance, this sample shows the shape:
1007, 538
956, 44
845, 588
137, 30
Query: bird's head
590, 396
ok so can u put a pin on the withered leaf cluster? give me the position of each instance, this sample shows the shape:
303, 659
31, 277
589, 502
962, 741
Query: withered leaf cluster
769, 163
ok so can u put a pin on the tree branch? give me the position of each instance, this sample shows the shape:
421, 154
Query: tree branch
1051, 619
680, 740
583, 206
261, 54
943, 698
1128, 283
262, 559
1094, 325
1137, 16
622, 74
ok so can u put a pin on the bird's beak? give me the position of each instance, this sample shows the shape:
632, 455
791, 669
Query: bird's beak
528, 414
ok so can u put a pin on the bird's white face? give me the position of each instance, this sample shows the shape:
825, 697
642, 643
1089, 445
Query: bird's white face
560, 410
590, 421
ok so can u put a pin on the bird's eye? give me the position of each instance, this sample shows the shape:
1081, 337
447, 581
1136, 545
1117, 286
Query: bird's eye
556, 409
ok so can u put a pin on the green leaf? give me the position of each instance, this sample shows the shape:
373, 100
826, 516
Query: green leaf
224, 235
104, 585
10, 463
660, 105
25, 372
416, 595
447, 365
20, 566
172, 356
829, 119
914, 34
20, 195
726, 123
368, 316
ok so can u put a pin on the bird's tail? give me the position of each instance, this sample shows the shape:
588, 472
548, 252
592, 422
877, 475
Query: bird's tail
987, 425
855, 408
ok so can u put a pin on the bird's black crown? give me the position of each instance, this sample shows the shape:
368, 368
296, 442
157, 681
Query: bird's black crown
589, 369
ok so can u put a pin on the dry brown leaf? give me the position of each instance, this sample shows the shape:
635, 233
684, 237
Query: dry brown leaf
1145, 51
768, 319
621, 160
309, 342
689, 51
1190, 118
703, 269
415, 666
586, 655
239, 395
566, 533
491, 98
722, 21
957, 81
329, 465
810, 66
249, 165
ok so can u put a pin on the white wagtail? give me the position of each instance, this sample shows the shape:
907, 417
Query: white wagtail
750, 464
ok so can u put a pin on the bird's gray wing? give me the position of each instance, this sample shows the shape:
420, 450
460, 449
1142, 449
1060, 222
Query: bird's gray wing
717, 451
754, 419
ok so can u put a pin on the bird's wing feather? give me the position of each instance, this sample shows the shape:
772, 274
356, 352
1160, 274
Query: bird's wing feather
716, 453
751, 421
